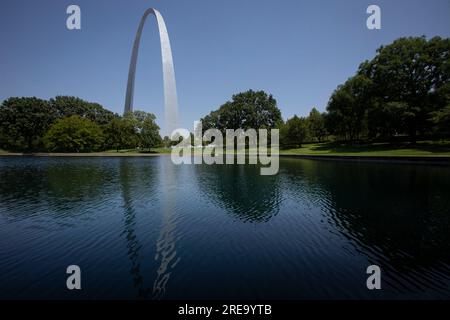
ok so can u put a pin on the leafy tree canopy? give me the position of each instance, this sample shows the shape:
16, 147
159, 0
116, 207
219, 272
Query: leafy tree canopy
67, 106
23, 122
406, 76
294, 132
145, 128
74, 134
246, 110
316, 125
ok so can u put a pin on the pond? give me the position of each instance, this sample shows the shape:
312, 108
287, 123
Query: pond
141, 227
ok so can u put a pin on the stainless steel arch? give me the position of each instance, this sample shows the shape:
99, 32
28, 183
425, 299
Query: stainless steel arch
170, 88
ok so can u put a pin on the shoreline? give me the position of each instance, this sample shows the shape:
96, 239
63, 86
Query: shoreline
428, 159
400, 159
82, 154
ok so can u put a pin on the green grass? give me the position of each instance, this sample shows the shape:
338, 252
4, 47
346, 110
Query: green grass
422, 148
138, 151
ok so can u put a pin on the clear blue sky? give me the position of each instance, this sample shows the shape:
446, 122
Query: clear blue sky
298, 50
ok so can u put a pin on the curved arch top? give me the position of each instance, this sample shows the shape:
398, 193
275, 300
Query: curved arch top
170, 88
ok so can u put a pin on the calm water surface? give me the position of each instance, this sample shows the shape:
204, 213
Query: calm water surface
144, 228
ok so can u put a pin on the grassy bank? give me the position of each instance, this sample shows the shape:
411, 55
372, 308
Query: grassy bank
422, 148
108, 153
139, 152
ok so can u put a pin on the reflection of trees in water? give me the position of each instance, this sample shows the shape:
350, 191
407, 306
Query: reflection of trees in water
241, 190
73, 181
165, 246
18, 182
395, 213
53, 183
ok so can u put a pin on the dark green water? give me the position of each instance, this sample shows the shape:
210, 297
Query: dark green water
144, 228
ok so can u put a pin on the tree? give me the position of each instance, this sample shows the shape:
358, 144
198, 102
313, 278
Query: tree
246, 110
23, 121
120, 134
166, 142
149, 134
441, 117
442, 120
67, 106
74, 134
405, 74
316, 125
293, 132
145, 130
348, 108
385, 119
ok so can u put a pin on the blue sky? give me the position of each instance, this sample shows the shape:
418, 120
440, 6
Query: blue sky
298, 50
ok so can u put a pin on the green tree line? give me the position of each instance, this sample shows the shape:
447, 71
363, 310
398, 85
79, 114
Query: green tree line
402, 93
70, 124
259, 110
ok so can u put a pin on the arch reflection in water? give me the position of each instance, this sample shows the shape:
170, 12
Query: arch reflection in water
333, 219
165, 246
241, 190
127, 172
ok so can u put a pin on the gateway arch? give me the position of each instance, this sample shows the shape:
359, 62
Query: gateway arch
170, 88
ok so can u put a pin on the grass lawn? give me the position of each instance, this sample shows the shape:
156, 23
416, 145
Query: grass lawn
422, 148
127, 152
137, 151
